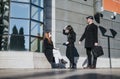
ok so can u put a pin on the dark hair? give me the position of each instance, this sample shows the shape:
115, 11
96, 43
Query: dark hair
90, 17
69, 27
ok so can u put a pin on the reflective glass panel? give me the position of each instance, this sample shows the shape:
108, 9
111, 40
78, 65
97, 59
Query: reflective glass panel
22, 0
36, 44
36, 28
37, 13
19, 10
38, 2
20, 28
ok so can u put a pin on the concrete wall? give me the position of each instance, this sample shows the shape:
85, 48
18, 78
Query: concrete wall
59, 13
17, 59
107, 23
74, 12
47, 15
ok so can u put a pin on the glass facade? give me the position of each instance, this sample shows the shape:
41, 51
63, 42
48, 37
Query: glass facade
25, 28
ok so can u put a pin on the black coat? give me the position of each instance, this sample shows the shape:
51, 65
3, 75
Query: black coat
48, 50
90, 35
71, 51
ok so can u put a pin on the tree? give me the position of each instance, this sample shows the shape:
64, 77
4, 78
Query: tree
1, 32
14, 39
21, 40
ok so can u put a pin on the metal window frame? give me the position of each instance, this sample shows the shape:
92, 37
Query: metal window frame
30, 19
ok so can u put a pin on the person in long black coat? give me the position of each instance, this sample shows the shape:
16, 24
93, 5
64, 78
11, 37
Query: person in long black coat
70, 50
48, 48
91, 39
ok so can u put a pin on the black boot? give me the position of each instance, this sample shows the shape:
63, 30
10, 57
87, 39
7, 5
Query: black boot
73, 66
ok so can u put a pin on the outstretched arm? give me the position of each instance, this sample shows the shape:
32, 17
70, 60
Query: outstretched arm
64, 31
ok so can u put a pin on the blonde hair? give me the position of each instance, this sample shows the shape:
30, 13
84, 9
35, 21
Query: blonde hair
46, 36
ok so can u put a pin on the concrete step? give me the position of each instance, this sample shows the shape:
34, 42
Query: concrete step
17, 59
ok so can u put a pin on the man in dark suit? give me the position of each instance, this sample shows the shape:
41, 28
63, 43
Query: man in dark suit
91, 39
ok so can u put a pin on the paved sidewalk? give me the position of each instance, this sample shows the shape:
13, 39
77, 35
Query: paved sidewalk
60, 74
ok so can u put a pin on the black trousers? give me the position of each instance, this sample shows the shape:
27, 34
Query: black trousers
91, 59
70, 55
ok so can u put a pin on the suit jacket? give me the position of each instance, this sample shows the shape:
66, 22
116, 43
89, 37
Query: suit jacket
90, 35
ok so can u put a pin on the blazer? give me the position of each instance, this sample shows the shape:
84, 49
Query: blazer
90, 35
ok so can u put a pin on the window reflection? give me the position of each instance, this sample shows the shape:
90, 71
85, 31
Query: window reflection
38, 2
19, 10
4, 24
36, 28
37, 13
19, 29
22, 0
26, 31
34, 44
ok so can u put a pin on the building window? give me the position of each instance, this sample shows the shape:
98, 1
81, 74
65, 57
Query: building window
38, 2
21, 0
20, 10
36, 22
37, 13
21, 25
36, 35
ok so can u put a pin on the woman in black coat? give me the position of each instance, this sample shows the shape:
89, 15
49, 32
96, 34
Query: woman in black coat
48, 48
91, 39
71, 38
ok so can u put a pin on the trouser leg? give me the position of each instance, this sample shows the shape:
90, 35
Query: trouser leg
89, 56
94, 62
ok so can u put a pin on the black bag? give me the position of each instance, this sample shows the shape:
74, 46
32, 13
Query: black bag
97, 51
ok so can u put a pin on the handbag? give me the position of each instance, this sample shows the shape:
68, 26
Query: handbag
97, 51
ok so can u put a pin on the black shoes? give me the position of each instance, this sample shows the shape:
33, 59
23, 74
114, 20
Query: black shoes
93, 67
90, 67
86, 67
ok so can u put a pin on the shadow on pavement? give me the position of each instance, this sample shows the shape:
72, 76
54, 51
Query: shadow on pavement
93, 76
67, 74
34, 75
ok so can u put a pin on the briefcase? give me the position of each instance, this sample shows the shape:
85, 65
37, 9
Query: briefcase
97, 51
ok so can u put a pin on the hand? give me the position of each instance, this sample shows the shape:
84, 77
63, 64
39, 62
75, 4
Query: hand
67, 43
79, 42
96, 44
56, 48
65, 27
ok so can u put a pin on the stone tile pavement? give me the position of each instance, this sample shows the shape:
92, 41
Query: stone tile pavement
60, 74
